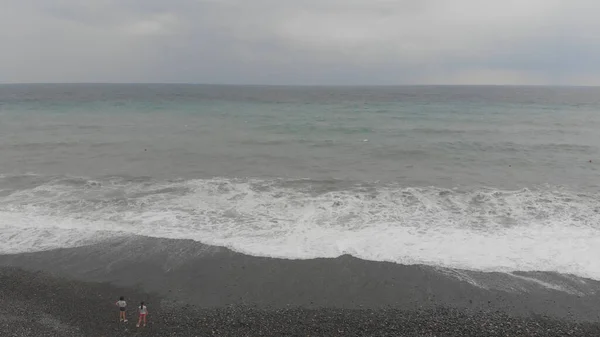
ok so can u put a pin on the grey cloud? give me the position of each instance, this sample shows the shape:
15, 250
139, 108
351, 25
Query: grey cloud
301, 42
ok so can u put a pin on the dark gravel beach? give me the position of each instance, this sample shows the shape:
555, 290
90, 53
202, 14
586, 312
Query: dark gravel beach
197, 290
36, 304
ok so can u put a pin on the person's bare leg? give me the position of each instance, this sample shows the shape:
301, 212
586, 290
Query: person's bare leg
124, 317
139, 321
145, 320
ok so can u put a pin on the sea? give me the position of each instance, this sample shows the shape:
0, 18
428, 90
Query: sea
482, 178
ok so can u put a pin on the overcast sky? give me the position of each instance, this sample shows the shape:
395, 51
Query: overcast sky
554, 42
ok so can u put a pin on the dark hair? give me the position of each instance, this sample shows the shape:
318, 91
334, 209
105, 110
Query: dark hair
122, 298
141, 305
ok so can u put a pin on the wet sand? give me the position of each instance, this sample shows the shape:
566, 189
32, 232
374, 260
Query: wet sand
198, 290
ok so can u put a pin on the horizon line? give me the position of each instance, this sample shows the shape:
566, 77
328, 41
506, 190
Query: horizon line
304, 85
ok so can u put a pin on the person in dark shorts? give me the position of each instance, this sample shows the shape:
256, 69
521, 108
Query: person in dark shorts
122, 307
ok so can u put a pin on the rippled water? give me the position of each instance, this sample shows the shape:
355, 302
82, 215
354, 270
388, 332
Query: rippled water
483, 178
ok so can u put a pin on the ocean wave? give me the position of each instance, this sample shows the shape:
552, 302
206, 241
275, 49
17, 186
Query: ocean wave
38, 146
542, 229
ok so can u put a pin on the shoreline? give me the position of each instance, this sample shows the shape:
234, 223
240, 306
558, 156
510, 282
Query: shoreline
44, 305
193, 289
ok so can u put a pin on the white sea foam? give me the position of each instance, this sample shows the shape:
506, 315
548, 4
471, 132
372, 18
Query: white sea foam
490, 230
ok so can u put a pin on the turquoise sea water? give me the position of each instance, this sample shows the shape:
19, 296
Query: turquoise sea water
446, 136
491, 178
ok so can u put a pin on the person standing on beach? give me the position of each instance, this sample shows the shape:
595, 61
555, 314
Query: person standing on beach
143, 313
122, 307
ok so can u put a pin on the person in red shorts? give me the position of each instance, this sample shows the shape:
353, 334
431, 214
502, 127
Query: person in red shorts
143, 313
